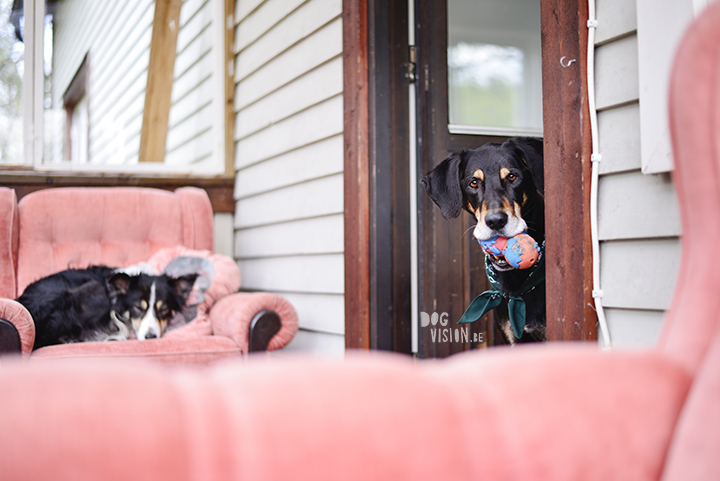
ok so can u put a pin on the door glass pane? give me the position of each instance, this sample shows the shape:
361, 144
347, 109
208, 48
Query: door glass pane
494, 66
12, 53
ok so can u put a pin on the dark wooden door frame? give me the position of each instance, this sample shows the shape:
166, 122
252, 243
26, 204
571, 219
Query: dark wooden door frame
376, 215
376, 176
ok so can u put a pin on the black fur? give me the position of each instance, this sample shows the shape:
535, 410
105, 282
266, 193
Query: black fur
75, 305
512, 180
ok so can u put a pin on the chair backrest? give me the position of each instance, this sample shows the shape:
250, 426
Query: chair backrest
691, 334
115, 226
695, 125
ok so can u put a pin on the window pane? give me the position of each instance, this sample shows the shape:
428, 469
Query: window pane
12, 53
494, 64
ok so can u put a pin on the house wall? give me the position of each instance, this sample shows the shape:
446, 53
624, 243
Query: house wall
116, 34
639, 224
289, 161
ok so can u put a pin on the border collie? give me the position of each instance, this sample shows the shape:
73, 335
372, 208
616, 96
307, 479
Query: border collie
102, 304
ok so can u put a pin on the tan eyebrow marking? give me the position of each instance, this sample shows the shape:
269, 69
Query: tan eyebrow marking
479, 174
504, 172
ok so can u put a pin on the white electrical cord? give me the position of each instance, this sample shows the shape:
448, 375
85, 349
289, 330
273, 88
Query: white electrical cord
595, 158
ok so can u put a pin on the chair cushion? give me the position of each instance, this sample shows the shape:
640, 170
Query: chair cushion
225, 281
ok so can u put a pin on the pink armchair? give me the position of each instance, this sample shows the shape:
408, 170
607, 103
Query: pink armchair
56, 229
552, 412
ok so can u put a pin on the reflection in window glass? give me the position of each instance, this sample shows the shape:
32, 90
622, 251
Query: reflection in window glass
494, 70
12, 54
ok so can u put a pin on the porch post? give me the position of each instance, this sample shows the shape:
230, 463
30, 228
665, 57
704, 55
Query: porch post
570, 315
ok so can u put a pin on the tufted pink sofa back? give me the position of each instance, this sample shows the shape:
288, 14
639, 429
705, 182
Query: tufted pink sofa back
118, 226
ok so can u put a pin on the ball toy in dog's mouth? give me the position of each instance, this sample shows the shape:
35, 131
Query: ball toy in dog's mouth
520, 251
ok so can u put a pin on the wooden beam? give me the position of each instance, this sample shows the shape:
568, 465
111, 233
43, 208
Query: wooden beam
158, 93
356, 175
229, 70
219, 189
570, 315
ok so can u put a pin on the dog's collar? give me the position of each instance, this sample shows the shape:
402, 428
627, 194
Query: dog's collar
491, 299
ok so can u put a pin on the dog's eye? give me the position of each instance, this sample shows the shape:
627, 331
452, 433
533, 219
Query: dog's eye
511, 177
474, 183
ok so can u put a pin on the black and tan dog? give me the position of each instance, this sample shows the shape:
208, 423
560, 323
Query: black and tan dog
501, 185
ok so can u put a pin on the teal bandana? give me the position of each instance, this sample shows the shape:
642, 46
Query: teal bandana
489, 300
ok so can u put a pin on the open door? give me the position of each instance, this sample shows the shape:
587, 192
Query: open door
391, 91
478, 80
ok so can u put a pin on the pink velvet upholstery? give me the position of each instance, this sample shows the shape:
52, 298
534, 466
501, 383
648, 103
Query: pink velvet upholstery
551, 412
563, 413
56, 229
8, 242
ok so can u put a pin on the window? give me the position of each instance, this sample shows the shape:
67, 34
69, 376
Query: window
494, 67
85, 98
12, 66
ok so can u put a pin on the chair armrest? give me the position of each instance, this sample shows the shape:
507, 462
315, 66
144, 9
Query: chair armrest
16, 314
233, 315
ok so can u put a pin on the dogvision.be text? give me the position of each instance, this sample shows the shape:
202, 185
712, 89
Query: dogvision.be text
447, 334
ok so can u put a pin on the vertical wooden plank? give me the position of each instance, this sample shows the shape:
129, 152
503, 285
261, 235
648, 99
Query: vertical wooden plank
229, 71
442, 243
570, 315
356, 175
158, 93
390, 327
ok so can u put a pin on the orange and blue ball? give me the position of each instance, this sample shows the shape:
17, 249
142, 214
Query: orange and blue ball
520, 251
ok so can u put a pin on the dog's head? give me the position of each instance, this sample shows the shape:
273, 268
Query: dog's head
501, 185
148, 302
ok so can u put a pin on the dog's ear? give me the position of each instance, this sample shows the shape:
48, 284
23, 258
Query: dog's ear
182, 285
442, 184
532, 156
118, 283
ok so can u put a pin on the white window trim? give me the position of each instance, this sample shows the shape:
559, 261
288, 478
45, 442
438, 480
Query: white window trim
661, 24
33, 109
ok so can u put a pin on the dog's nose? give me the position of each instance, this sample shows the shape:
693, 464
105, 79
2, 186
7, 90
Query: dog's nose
150, 335
496, 220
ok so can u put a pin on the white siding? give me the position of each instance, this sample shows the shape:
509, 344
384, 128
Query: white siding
289, 161
116, 35
639, 224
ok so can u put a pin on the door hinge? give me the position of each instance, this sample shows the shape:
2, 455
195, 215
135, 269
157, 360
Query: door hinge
411, 65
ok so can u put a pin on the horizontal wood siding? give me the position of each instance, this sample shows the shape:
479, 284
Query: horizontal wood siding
289, 161
639, 224
116, 34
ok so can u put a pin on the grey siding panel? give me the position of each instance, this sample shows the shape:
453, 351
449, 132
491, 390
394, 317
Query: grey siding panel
634, 328
315, 198
639, 223
633, 206
619, 133
319, 274
317, 343
616, 73
318, 159
289, 162
616, 18
639, 274
317, 235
